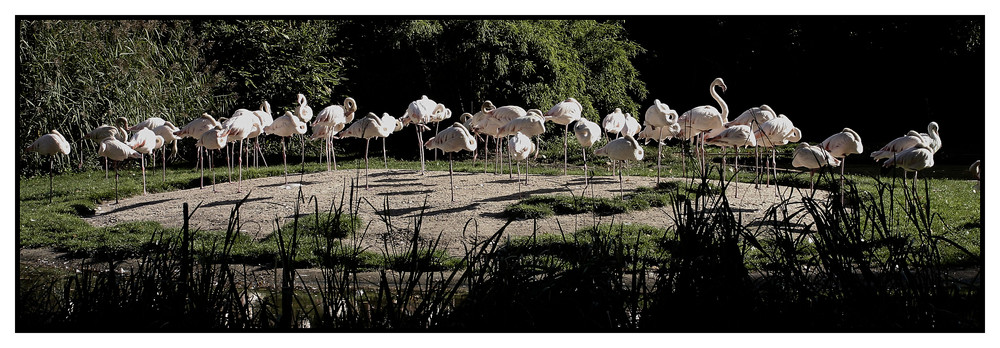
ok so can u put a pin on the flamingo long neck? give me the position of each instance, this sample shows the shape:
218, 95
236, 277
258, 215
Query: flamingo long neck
722, 103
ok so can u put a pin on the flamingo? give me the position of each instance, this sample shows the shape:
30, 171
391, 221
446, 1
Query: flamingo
150, 123
166, 131
754, 117
736, 136
841, 145
337, 117
625, 148
564, 113
436, 119
286, 126
392, 125
264, 114
974, 169
614, 122
813, 158
240, 128
419, 112
913, 160
196, 128
50, 144
775, 132
521, 147
452, 139
212, 139
144, 142
368, 127
117, 151
932, 139
104, 131
706, 117
660, 116
587, 133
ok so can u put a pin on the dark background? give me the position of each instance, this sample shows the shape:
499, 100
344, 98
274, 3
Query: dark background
878, 75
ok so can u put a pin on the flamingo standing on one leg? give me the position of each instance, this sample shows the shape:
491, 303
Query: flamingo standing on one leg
613, 122
166, 131
913, 159
564, 113
212, 139
773, 133
587, 133
625, 148
736, 136
264, 114
50, 144
660, 116
812, 157
116, 151
452, 139
368, 127
286, 126
144, 141
841, 145
104, 131
239, 129
418, 113
520, 147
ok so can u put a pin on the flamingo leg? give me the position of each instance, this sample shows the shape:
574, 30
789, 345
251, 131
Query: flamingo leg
211, 168
420, 140
142, 163
486, 153
659, 154
451, 176
284, 159
621, 183
565, 149
105, 168
164, 164
116, 182
239, 185
367, 141
737, 163
201, 164
586, 181
229, 162
385, 159
50, 179
302, 162
510, 160
437, 128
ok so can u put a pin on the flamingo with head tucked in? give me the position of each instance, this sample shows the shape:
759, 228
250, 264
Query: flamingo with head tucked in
286, 126
144, 141
913, 159
564, 113
614, 122
660, 117
813, 158
452, 139
367, 128
841, 145
116, 151
625, 148
587, 133
212, 139
419, 112
50, 144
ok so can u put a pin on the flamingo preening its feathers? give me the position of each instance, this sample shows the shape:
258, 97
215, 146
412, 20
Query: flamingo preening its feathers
452, 139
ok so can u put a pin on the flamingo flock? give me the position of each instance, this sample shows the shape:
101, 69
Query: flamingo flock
757, 127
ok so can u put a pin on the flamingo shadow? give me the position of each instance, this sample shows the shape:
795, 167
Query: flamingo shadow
452, 210
523, 194
405, 193
290, 182
139, 205
234, 201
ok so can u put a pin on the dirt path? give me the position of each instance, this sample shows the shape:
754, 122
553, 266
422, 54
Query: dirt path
479, 197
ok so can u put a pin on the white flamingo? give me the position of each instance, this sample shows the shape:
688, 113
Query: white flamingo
104, 131
813, 158
913, 160
452, 139
212, 139
196, 128
150, 123
625, 148
418, 113
840, 145
286, 126
932, 139
50, 144
264, 114
736, 136
587, 133
706, 117
166, 131
239, 129
436, 119
659, 117
974, 169
116, 151
390, 125
773, 133
337, 117
520, 147
614, 122
144, 141
367, 128
564, 113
